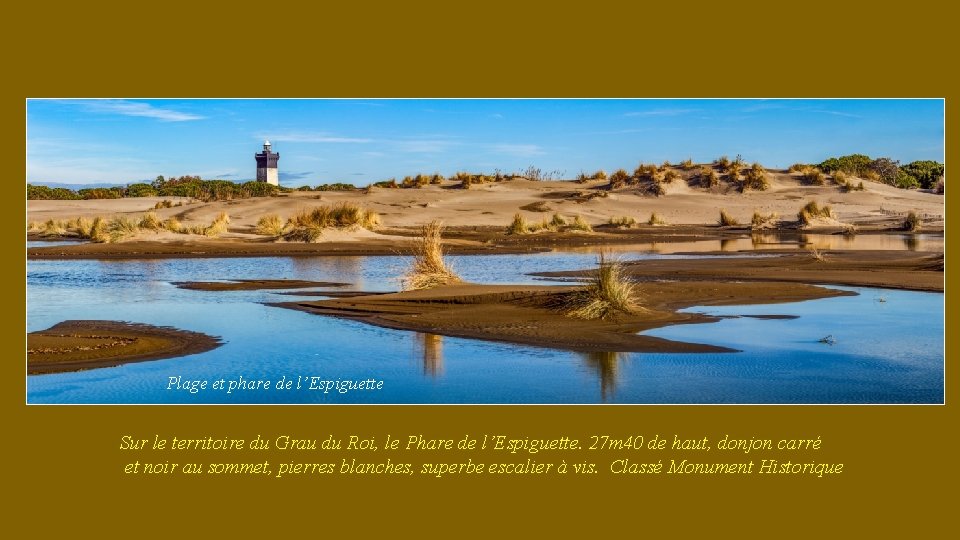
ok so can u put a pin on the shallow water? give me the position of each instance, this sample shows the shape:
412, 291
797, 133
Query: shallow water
888, 348
768, 241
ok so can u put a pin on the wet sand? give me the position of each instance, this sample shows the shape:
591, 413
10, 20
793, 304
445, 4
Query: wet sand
525, 314
917, 271
80, 345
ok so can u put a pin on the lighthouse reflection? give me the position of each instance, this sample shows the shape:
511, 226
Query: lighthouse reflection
430, 349
607, 366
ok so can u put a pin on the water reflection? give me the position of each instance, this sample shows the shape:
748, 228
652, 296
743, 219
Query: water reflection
912, 242
430, 349
607, 367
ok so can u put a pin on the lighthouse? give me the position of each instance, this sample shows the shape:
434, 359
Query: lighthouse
267, 165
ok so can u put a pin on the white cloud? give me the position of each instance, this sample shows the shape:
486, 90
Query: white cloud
130, 108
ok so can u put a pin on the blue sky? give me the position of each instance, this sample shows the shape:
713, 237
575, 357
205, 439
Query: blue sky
362, 141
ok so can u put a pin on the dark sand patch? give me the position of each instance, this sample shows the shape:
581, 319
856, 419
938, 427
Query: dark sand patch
523, 314
332, 294
79, 345
254, 284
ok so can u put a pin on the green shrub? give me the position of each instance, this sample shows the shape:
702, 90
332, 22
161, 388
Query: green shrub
140, 190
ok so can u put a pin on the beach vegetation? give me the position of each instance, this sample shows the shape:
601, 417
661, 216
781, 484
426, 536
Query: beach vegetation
608, 294
429, 268
726, 220
270, 225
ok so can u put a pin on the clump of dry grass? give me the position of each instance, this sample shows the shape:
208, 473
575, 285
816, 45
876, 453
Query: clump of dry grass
670, 176
558, 221
912, 223
98, 230
763, 221
817, 255
166, 203
686, 164
218, 226
609, 293
708, 177
173, 224
519, 225
722, 162
580, 224
150, 222
726, 220
811, 211
121, 227
270, 225
307, 225
655, 219
429, 269
624, 222
813, 176
54, 227
619, 178
755, 178
798, 167
599, 175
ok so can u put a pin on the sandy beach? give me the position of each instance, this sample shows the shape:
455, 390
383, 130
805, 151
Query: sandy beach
476, 222
80, 345
528, 314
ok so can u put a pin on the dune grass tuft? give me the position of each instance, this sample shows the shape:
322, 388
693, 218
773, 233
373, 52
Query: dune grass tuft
609, 293
912, 223
811, 211
580, 224
173, 224
218, 226
708, 177
624, 222
270, 225
308, 224
813, 176
817, 255
150, 222
763, 221
429, 268
656, 219
519, 225
755, 178
726, 220
121, 227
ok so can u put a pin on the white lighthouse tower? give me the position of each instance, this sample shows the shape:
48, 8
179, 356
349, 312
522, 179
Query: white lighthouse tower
267, 165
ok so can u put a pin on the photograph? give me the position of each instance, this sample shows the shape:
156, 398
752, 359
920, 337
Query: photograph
418, 251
